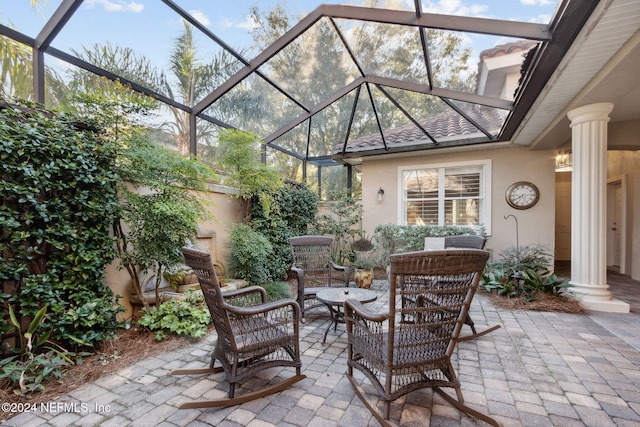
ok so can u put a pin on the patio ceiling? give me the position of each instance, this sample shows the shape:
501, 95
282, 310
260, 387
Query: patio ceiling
377, 108
601, 66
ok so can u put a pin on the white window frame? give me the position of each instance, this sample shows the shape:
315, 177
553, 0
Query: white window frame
485, 189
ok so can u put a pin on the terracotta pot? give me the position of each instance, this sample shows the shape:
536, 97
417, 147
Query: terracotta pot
189, 279
363, 278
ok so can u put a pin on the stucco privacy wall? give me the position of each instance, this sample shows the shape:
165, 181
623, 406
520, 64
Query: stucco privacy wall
508, 165
626, 165
213, 236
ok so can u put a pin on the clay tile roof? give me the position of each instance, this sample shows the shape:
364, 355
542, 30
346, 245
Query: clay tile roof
507, 48
444, 126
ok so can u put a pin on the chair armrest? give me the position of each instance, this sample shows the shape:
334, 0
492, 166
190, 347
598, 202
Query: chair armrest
266, 307
352, 306
299, 274
345, 270
339, 267
246, 292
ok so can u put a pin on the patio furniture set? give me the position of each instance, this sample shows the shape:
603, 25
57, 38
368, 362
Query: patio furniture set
405, 348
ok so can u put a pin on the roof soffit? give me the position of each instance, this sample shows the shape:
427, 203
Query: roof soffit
591, 71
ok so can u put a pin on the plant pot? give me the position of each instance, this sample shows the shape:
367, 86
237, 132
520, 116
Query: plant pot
189, 279
363, 278
364, 255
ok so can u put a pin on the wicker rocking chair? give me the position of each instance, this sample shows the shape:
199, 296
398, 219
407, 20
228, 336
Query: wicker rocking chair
398, 356
314, 269
252, 334
468, 241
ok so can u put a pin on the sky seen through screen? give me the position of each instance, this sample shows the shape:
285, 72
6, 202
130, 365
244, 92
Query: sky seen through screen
148, 25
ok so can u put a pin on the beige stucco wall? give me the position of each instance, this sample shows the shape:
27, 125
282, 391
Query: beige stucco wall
624, 135
563, 216
508, 165
213, 236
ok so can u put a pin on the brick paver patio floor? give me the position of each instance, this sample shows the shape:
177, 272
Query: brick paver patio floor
538, 369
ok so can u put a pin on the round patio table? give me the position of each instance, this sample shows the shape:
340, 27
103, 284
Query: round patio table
334, 297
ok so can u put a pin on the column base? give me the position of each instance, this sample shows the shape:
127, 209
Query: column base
611, 306
598, 298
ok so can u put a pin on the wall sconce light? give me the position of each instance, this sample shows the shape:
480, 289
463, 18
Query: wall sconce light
380, 194
563, 161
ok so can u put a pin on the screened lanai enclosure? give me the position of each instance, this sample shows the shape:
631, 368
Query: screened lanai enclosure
322, 86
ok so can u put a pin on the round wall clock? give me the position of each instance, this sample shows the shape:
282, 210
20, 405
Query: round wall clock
522, 195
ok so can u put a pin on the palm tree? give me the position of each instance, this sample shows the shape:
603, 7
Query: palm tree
16, 79
16, 73
194, 80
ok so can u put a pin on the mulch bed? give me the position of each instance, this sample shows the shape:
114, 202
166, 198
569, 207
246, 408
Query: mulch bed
542, 302
128, 347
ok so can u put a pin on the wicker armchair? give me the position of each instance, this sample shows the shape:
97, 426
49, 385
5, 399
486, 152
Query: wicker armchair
399, 357
469, 241
314, 268
252, 334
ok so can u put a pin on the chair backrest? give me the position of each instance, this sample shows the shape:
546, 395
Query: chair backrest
202, 265
313, 255
436, 289
465, 241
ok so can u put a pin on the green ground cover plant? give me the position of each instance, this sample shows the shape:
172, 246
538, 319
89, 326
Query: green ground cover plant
189, 317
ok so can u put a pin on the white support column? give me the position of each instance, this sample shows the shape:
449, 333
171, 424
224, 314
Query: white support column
589, 208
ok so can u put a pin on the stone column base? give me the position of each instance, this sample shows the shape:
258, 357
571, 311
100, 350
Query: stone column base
598, 298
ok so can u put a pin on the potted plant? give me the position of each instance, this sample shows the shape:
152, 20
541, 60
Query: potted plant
362, 247
363, 272
363, 244
181, 277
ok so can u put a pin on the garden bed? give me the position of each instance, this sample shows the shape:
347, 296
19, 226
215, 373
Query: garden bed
129, 347
543, 302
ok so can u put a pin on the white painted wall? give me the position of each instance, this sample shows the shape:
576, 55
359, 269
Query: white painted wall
509, 165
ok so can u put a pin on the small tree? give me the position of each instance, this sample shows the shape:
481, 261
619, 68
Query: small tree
240, 157
154, 220
275, 210
340, 222
162, 214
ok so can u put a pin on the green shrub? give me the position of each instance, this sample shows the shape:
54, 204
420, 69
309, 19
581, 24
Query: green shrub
58, 192
298, 206
277, 290
516, 259
189, 317
392, 238
362, 263
294, 207
250, 255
